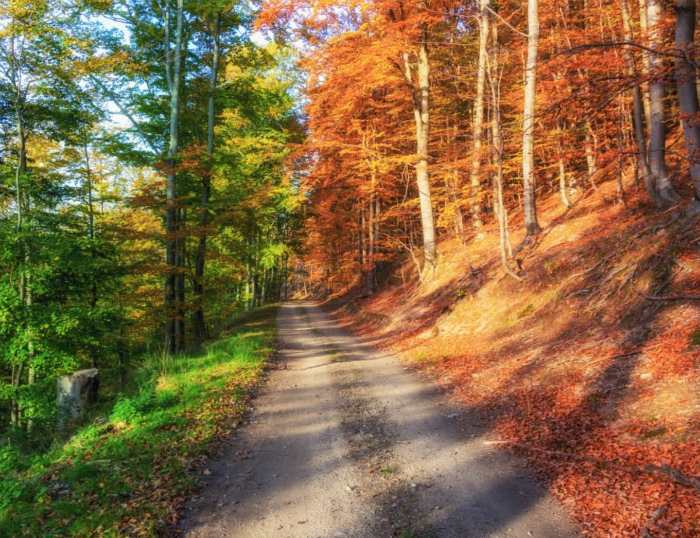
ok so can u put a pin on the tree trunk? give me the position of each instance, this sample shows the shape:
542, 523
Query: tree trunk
498, 145
377, 213
173, 68
365, 242
248, 296
657, 141
591, 150
478, 125
180, 279
360, 254
562, 177
687, 90
421, 111
23, 254
644, 88
372, 229
370, 234
263, 290
638, 109
198, 286
531, 224
621, 154
91, 231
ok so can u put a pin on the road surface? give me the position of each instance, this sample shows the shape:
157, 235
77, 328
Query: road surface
345, 441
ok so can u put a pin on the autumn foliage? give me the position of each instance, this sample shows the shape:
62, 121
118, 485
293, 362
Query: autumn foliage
575, 370
585, 361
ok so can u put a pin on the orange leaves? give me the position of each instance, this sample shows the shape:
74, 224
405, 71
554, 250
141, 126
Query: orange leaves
674, 352
607, 415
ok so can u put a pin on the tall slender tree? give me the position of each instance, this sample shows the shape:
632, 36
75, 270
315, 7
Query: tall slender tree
657, 141
686, 78
420, 91
533, 38
478, 125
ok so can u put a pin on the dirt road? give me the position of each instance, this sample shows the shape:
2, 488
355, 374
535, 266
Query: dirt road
344, 442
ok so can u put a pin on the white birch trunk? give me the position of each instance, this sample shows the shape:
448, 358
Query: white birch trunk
687, 90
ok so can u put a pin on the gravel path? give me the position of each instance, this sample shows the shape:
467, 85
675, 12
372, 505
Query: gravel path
345, 442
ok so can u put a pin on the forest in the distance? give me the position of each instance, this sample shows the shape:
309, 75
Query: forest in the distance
170, 167
139, 141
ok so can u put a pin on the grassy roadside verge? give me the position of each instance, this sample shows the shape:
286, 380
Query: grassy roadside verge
129, 473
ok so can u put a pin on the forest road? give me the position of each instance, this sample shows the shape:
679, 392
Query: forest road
343, 441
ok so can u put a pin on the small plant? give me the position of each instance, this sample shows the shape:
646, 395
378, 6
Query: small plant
335, 354
695, 338
525, 312
652, 434
128, 409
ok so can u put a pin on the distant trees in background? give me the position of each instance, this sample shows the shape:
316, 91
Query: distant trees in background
146, 191
404, 98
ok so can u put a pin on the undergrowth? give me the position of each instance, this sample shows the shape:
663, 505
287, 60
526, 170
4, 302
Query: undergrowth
129, 472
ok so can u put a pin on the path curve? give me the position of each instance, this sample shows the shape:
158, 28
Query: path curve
345, 442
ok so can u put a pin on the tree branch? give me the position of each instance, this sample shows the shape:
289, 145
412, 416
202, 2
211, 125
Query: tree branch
127, 114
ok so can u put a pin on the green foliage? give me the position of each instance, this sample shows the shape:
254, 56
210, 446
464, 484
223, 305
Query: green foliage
695, 338
82, 250
127, 473
80, 247
128, 409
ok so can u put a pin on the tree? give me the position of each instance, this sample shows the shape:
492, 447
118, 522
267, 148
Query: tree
657, 141
478, 125
420, 95
686, 78
638, 106
530, 199
198, 287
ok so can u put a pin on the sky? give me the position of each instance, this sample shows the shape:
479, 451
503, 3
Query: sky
118, 120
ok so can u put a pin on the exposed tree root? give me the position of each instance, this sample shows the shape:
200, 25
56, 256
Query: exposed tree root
680, 297
658, 470
658, 514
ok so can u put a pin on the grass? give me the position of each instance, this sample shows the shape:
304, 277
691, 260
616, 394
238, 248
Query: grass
335, 354
129, 473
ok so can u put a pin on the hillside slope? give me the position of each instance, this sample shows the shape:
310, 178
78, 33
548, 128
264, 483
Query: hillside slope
590, 367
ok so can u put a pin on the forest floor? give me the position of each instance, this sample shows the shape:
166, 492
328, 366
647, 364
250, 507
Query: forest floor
128, 471
344, 441
589, 368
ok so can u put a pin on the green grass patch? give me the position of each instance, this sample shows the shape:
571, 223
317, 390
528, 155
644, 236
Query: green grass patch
129, 474
335, 354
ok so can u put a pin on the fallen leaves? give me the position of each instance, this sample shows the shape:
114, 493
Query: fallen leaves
600, 399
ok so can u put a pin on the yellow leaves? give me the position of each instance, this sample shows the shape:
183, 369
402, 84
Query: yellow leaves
21, 10
100, 5
117, 61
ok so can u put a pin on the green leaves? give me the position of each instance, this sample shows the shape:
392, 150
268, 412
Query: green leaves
133, 471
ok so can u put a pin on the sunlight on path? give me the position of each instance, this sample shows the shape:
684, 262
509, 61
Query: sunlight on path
344, 442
